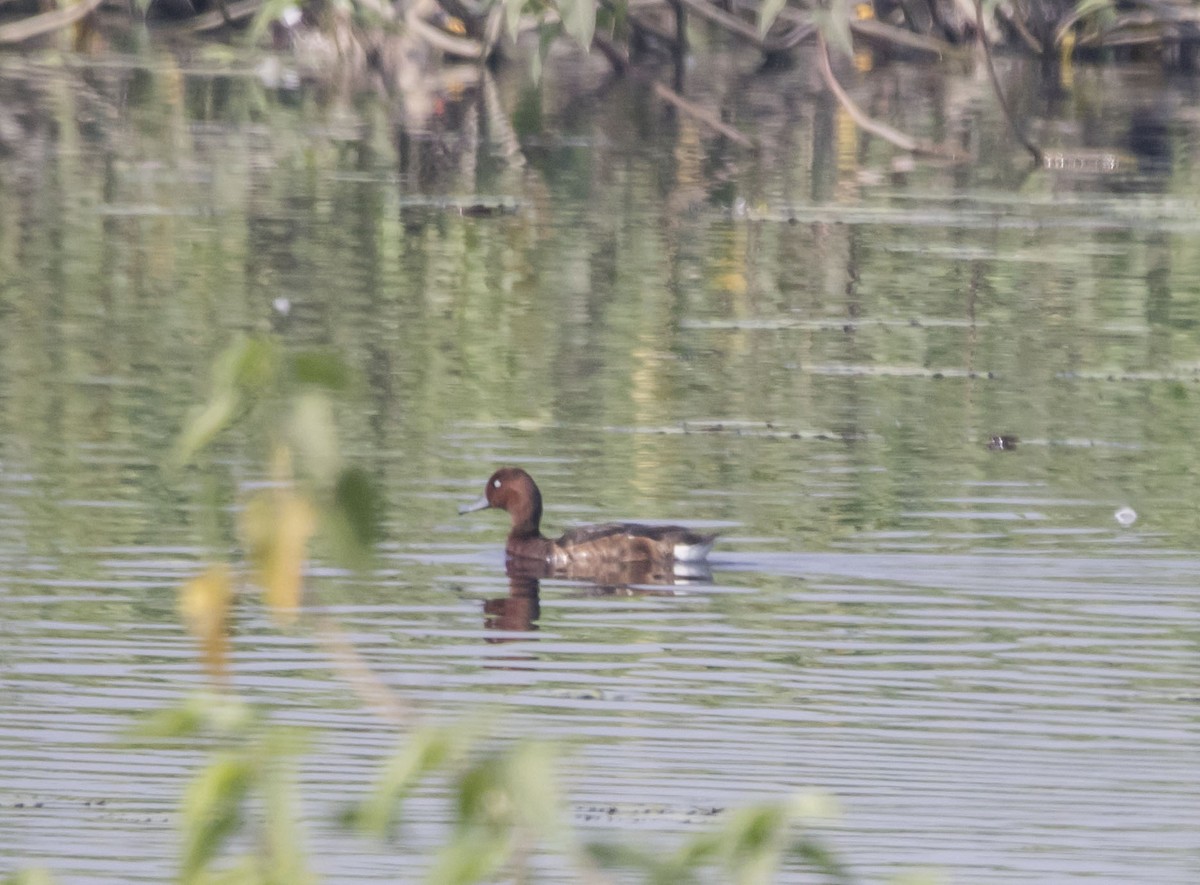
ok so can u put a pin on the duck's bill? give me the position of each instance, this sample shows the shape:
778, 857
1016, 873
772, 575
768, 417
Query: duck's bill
481, 504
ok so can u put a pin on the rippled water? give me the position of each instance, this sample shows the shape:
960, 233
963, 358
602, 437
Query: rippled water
994, 676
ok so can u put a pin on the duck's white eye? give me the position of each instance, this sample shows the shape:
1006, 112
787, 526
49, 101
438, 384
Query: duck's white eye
495, 483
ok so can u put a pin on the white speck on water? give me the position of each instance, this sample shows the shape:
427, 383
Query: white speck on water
1126, 516
282, 306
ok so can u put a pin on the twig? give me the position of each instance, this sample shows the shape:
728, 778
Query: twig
615, 54
694, 110
492, 30
217, 18
500, 129
639, 24
458, 47
469, 18
365, 682
869, 29
734, 25
867, 124
1017, 25
881, 32
1033, 149
44, 23
635, 23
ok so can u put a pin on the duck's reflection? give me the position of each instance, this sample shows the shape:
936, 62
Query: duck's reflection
519, 611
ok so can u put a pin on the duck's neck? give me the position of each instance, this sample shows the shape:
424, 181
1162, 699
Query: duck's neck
525, 526
526, 542
527, 519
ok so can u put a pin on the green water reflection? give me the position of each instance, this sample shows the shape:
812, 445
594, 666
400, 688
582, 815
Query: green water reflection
895, 326
807, 347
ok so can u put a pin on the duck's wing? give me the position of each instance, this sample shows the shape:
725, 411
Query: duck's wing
587, 534
639, 541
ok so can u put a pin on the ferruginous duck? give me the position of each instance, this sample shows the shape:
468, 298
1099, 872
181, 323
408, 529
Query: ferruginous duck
514, 490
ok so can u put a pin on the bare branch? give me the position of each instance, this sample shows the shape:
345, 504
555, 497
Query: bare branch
867, 124
694, 110
44, 23
1034, 150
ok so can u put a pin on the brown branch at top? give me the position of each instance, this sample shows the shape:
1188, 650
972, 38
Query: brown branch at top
215, 18
867, 124
450, 44
737, 27
44, 23
617, 57
878, 32
1034, 150
707, 118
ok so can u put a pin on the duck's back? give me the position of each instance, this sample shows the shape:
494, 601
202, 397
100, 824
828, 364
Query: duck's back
629, 542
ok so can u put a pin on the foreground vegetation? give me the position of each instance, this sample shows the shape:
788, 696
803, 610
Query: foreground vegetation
238, 817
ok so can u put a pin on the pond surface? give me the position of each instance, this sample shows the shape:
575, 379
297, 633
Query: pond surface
808, 349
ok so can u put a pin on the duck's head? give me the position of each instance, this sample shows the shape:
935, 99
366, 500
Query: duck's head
511, 489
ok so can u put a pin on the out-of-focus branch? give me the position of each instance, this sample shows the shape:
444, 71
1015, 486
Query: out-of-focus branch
707, 118
44, 23
867, 124
1034, 150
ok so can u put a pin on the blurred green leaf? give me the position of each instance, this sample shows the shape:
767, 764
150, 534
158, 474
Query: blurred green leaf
1089, 7
503, 799
767, 13
270, 11
659, 869
481, 797
35, 876
825, 862
512, 17
472, 855
247, 365
201, 712
754, 843
203, 424
834, 24
615, 855
212, 811
748, 844
424, 751
284, 839
355, 518
319, 368
921, 877
314, 435
531, 779
579, 19
548, 32
172, 722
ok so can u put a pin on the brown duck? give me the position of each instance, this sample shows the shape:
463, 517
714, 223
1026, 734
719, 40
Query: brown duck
514, 490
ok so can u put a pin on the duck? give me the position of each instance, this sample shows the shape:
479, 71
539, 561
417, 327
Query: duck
590, 546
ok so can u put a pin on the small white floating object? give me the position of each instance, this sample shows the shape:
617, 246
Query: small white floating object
282, 306
1126, 516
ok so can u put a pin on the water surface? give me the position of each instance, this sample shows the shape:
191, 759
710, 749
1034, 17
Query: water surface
809, 350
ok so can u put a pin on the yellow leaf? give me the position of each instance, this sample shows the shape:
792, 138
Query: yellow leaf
276, 526
204, 602
732, 282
